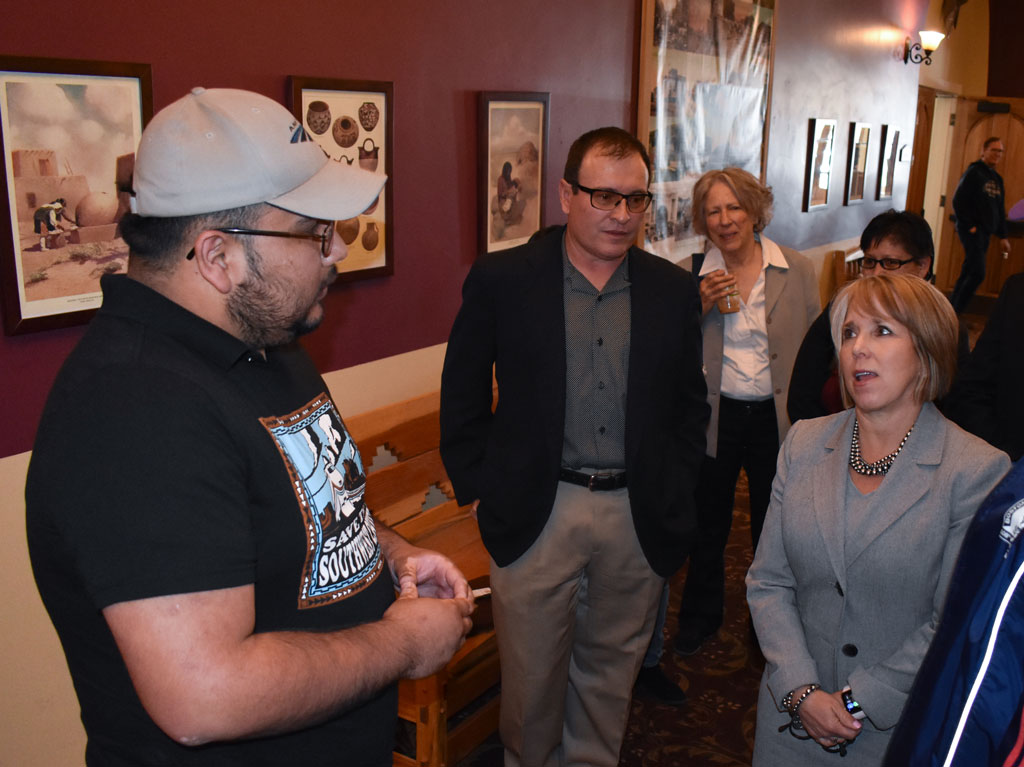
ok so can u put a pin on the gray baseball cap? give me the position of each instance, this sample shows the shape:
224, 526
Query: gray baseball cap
224, 148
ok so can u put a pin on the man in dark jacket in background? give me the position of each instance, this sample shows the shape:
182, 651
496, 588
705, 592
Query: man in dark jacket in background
980, 212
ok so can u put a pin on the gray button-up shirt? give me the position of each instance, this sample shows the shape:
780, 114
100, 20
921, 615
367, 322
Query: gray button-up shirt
596, 365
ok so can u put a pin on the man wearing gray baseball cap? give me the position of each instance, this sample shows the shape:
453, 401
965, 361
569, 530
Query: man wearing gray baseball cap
194, 504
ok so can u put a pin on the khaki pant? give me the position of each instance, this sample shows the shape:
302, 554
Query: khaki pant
573, 616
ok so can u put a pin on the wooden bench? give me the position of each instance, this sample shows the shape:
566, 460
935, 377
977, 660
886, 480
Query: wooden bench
838, 267
400, 479
846, 265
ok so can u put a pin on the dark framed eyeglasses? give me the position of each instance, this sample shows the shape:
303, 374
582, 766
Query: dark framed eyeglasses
325, 238
608, 199
889, 264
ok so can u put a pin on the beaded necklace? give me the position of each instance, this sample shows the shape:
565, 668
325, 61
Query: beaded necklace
882, 465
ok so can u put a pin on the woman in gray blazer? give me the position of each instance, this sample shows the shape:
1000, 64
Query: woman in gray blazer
868, 510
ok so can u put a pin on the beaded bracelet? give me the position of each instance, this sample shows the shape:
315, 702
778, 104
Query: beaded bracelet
787, 700
795, 723
793, 709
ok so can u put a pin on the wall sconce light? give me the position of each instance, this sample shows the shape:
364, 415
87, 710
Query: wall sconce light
918, 52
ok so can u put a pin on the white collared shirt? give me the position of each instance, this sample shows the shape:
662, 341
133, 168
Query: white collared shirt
746, 372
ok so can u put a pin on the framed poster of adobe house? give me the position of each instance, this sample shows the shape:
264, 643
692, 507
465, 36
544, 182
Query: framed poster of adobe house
69, 130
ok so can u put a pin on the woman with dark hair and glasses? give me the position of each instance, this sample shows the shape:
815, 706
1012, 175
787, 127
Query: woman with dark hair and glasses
757, 298
868, 511
894, 242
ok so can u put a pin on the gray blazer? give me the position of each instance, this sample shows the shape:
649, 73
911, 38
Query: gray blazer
861, 611
792, 303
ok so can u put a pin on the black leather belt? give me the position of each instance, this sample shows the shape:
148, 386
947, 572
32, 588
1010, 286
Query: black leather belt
749, 405
593, 481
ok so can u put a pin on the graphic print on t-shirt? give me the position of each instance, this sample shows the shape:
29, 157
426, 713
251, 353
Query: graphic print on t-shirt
342, 553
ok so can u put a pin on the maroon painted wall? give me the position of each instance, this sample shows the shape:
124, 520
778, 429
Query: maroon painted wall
438, 55
844, 61
832, 59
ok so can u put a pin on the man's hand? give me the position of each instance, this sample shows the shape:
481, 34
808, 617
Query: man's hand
430, 618
427, 573
429, 630
1004, 244
826, 719
421, 572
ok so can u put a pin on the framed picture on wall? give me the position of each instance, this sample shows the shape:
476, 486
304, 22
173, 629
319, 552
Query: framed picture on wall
352, 120
69, 130
704, 103
887, 161
857, 163
820, 147
512, 143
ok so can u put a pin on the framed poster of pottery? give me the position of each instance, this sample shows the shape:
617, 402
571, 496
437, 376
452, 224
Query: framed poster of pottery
69, 130
352, 121
857, 163
512, 145
821, 141
887, 161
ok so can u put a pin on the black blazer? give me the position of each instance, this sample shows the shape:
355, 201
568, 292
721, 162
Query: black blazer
512, 318
986, 398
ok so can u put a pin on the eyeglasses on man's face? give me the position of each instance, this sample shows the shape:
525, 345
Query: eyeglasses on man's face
609, 199
889, 264
325, 238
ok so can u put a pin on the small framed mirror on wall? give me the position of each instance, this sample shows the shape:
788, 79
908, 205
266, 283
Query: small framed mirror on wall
857, 163
820, 148
887, 161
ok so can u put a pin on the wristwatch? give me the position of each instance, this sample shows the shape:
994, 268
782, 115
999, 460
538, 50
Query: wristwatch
851, 705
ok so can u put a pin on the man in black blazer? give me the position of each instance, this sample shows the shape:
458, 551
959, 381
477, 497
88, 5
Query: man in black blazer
584, 471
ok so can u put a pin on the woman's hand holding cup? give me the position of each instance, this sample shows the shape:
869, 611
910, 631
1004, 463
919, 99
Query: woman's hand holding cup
719, 287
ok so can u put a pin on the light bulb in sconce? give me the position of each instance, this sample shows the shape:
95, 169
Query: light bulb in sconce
930, 40
922, 52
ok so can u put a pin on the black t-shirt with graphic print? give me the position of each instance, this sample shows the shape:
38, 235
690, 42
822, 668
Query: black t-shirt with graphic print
170, 459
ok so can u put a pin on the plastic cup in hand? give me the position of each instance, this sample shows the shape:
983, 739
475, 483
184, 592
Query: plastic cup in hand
730, 302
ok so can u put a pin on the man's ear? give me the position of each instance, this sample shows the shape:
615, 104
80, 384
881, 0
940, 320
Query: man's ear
564, 194
220, 261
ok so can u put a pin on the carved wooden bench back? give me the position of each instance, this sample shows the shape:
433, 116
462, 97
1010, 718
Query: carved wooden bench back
408, 489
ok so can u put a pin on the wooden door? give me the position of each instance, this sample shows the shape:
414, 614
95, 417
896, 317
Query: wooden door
922, 144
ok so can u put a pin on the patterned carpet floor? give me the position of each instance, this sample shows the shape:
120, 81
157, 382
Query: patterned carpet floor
716, 726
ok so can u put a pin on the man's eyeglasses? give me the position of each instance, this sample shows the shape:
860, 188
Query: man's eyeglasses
606, 199
889, 264
325, 238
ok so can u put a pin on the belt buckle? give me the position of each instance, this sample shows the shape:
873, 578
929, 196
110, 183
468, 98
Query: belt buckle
590, 482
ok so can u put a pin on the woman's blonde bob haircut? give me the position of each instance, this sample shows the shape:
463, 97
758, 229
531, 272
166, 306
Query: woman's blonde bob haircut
754, 197
921, 309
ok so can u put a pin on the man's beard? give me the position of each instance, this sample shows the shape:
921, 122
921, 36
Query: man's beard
262, 312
